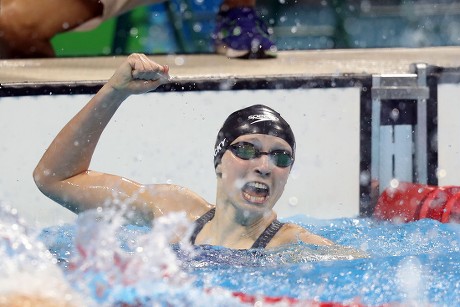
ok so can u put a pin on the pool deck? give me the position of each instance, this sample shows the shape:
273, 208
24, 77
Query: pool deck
195, 67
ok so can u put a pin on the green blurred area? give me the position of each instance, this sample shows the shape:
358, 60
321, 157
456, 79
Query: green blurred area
119, 35
86, 43
155, 29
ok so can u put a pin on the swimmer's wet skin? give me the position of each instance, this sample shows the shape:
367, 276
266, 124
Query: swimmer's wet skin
253, 156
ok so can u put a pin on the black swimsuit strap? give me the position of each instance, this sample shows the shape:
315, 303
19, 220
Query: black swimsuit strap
267, 235
261, 242
200, 222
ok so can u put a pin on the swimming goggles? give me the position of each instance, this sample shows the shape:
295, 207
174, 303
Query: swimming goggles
248, 151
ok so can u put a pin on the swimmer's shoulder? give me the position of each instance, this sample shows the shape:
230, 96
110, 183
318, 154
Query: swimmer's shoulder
167, 198
292, 233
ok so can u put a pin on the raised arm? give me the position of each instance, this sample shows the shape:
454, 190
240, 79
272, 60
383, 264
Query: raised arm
71, 151
62, 173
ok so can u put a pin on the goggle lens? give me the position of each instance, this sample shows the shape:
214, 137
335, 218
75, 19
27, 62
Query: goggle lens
248, 151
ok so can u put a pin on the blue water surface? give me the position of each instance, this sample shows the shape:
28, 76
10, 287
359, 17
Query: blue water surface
416, 263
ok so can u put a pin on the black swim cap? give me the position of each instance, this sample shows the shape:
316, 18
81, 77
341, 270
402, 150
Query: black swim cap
256, 119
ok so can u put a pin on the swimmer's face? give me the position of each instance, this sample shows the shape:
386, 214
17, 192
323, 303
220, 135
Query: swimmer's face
254, 183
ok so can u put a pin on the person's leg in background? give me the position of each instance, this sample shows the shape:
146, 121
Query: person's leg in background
241, 33
27, 26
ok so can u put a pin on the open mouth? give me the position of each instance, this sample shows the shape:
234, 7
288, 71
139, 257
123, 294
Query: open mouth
256, 192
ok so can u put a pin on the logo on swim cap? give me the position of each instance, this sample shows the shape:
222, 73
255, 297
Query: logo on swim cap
262, 117
219, 147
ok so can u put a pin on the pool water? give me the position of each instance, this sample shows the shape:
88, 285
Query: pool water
111, 264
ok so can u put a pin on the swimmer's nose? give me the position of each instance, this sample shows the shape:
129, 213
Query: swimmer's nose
263, 165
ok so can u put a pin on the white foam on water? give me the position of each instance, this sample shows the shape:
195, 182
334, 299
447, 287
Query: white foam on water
147, 270
28, 271
412, 281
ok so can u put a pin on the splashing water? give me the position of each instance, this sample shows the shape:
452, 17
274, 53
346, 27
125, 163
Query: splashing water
142, 270
26, 264
106, 262
112, 263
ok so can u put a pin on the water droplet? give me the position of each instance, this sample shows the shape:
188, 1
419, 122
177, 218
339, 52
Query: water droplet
441, 173
237, 31
179, 61
293, 201
133, 31
197, 27
394, 114
364, 178
394, 183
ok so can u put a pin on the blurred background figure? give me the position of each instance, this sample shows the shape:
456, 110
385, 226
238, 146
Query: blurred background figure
28, 26
65, 28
